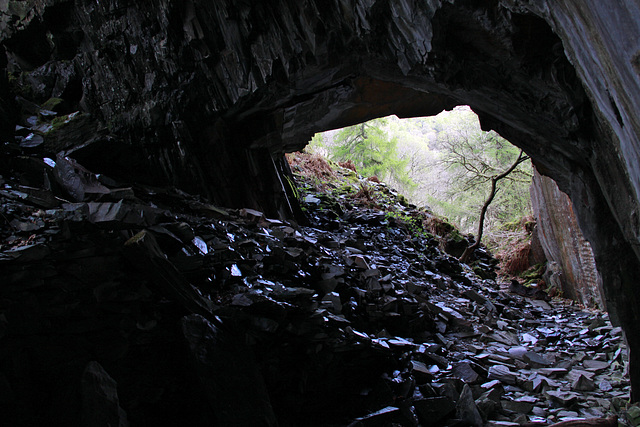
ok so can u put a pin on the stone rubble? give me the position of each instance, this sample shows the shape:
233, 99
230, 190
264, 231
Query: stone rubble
361, 318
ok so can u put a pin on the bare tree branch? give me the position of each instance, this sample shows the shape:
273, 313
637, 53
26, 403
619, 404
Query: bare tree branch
492, 193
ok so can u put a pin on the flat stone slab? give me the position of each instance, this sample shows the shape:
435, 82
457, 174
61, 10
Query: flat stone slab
565, 398
535, 360
595, 365
502, 374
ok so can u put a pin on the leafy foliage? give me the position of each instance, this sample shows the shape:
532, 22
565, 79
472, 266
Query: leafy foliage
373, 153
444, 162
342, 190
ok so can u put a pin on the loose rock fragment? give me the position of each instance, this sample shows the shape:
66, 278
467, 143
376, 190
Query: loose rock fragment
466, 409
535, 360
595, 365
432, 411
502, 374
100, 403
518, 407
583, 383
466, 373
564, 398
384, 416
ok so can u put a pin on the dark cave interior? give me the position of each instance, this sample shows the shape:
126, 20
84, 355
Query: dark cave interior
208, 96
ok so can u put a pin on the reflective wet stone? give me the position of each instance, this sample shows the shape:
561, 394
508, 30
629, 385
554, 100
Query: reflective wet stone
466, 373
339, 307
502, 374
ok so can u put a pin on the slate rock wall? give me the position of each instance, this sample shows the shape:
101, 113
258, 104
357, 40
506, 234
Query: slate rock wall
207, 95
571, 265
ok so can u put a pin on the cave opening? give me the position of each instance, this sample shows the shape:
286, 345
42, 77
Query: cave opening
205, 97
423, 157
542, 254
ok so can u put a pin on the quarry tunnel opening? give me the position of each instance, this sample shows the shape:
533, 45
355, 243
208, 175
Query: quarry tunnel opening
216, 94
576, 180
574, 275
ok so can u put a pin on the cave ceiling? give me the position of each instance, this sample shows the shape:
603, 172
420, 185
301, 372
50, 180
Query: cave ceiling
208, 95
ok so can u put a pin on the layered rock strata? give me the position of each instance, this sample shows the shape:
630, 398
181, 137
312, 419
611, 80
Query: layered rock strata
208, 95
571, 266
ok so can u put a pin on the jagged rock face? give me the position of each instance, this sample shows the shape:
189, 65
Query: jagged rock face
208, 95
571, 266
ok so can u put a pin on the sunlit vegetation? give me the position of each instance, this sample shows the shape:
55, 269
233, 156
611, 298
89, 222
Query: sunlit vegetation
445, 162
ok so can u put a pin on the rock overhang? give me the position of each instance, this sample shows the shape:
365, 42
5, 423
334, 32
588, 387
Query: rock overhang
214, 92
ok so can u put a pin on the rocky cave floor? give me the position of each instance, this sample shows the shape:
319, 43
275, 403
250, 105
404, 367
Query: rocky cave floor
146, 306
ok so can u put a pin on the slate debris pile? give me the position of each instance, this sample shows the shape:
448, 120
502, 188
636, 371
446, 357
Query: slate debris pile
151, 306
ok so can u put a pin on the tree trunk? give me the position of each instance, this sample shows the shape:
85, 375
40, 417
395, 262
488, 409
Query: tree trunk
483, 212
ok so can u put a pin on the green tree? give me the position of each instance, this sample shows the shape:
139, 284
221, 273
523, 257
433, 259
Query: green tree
445, 162
372, 151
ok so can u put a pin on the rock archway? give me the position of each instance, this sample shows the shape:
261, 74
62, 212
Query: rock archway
209, 95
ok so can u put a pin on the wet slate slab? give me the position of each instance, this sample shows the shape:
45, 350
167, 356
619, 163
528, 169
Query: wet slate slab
380, 324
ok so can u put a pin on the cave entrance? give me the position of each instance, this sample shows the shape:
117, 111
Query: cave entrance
444, 163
